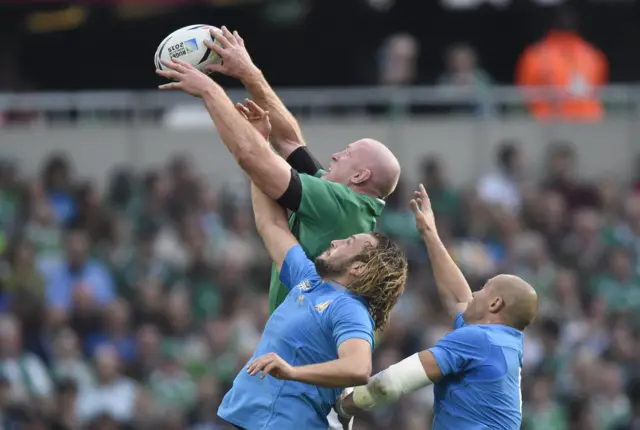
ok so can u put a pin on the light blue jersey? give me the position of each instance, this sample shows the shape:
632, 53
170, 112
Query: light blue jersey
481, 368
307, 328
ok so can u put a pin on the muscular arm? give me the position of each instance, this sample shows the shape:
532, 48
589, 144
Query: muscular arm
351, 369
388, 386
286, 135
266, 169
453, 288
272, 225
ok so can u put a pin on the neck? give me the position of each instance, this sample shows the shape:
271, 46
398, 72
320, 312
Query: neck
340, 281
361, 190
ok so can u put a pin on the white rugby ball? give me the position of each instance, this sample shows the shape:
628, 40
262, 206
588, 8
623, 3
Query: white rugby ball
186, 44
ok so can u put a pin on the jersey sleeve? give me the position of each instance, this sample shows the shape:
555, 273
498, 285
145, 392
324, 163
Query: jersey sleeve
459, 321
323, 201
297, 268
350, 319
459, 350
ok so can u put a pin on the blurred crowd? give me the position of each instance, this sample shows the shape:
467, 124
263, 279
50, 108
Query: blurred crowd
134, 307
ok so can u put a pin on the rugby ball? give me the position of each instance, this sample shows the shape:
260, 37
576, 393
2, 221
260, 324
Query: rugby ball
186, 44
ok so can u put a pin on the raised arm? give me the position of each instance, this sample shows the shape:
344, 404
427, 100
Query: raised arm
453, 288
286, 135
272, 225
266, 169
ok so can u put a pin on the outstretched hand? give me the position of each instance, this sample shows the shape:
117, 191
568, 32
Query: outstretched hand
257, 116
421, 207
188, 78
236, 61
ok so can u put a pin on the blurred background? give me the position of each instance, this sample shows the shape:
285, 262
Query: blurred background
133, 286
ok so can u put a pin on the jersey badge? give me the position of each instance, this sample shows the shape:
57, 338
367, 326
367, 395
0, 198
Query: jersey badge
322, 306
304, 285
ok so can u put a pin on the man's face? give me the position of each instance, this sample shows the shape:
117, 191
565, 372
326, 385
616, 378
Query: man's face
338, 259
483, 302
344, 164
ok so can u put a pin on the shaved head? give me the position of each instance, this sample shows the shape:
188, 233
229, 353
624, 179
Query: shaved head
367, 166
504, 299
520, 300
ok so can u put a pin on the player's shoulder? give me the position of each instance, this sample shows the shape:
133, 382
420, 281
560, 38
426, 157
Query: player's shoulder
345, 302
317, 181
471, 334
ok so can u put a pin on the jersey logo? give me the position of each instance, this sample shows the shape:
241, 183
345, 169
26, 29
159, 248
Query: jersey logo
304, 285
322, 306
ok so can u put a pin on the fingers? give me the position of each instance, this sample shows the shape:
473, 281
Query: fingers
238, 38
414, 206
256, 366
270, 367
215, 47
181, 64
169, 74
174, 64
423, 191
424, 197
260, 363
230, 37
219, 68
220, 37
243, 110
254, 108
170, 86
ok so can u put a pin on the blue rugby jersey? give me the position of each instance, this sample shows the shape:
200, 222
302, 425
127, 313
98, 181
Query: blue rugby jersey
307, 328
481, 366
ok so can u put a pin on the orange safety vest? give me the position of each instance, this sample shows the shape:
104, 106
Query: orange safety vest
573, 68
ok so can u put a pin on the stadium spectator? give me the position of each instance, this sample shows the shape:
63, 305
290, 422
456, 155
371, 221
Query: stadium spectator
502, 187
398, 60
147, 339
567, 64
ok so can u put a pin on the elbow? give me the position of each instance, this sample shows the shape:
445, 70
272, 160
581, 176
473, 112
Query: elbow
246, 159
359, 380
361, 374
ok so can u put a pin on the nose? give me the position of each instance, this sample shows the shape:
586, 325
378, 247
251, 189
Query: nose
334, 243
335, 156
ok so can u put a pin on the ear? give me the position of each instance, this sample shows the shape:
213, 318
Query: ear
496, 304
356, 269
360, 177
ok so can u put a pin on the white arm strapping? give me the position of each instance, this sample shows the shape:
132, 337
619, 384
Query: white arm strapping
390, 384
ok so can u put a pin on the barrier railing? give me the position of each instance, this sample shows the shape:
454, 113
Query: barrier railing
303, 98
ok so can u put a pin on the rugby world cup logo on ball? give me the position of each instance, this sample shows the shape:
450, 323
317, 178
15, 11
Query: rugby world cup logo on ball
187, 45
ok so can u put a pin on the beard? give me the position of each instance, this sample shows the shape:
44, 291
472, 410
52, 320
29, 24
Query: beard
327, 269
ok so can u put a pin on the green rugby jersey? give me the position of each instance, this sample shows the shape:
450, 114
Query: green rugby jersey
328, 211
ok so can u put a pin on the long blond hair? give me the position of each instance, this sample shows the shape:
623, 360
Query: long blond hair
383, 278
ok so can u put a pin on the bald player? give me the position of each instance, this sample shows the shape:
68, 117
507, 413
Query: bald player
330, 204
476, 368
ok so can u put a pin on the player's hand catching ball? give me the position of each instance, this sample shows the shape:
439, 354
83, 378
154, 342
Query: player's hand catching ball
257, 116
236, 61
189, 79
421, 207
271, 364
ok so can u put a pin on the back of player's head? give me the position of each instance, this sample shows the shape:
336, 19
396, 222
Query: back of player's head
520, 300
382, 278
374, 170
